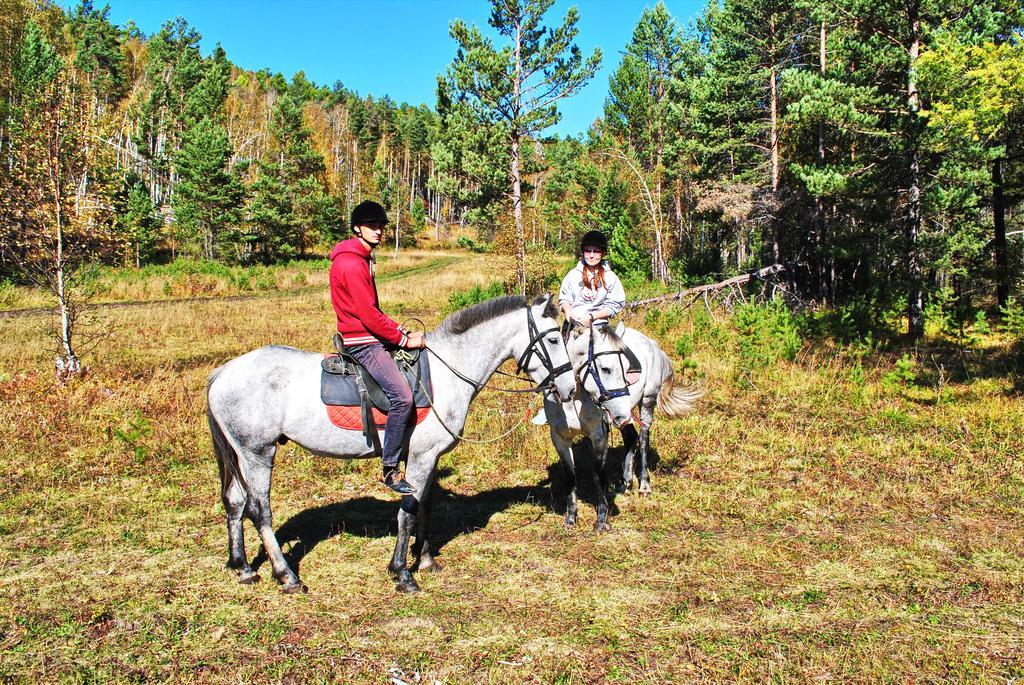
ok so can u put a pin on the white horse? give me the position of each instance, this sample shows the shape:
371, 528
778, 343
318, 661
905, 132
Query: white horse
271, 395
613, 398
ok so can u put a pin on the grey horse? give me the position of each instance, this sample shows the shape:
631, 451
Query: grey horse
590, 416
271, 395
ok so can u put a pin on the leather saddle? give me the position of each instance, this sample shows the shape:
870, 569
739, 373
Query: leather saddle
345, 382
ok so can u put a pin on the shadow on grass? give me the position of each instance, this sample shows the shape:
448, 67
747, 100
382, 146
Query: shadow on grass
453, 514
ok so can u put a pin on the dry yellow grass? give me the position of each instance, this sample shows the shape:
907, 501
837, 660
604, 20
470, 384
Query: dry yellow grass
812, 529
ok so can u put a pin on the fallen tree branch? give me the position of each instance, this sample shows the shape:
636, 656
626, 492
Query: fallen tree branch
712, 290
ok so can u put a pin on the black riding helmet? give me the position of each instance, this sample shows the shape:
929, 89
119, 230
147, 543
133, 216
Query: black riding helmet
595, 238
366, 212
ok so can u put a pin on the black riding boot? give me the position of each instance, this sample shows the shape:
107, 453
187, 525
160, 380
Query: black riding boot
393, 479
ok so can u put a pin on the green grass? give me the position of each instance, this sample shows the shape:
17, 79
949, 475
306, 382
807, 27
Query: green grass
200, 279
816, 525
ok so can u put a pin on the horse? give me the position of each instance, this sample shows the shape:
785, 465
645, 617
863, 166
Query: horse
592, 351
271, 395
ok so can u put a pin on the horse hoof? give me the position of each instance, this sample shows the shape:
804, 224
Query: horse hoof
570, 522
622, 488
602, 527
295, 588
432, 567
249, 578
407, 587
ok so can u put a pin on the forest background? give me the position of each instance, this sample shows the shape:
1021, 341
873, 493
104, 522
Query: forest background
873, 148
844, 505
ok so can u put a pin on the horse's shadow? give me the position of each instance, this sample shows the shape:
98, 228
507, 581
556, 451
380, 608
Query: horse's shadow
452, 514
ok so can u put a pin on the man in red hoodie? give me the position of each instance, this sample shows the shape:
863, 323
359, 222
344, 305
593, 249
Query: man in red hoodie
367, 331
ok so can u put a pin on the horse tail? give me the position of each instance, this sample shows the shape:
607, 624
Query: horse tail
227, 456
677, 401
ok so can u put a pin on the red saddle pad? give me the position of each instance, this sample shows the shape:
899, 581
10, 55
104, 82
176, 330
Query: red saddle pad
350, 418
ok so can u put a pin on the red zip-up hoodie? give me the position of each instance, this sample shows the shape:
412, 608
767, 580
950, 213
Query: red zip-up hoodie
354, 296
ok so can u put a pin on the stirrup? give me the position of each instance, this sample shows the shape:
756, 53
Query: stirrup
393, 479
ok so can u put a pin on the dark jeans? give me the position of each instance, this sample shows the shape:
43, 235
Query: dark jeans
384, 370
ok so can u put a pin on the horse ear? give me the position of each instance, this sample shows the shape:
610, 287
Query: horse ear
620, 329
550, 308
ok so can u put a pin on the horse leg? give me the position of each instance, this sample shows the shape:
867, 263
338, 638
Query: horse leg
629, 437
599, 443
399, 566
258, 508
646, 417
421, 545
564, 449
234, 499
420, 472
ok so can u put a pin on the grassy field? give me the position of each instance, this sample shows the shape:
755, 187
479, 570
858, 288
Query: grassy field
838, 518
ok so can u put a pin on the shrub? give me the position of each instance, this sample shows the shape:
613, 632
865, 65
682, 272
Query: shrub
542, 273
938, 313
8, 294
847, 323
468, 244
902, 373
981, 326
476, 294
1013, 317
684, 346
767, 334
133, 434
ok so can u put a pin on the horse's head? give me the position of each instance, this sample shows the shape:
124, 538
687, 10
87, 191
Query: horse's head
599, 360
544, 357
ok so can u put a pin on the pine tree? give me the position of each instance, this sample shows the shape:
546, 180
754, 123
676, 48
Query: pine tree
99, 52
290, 205
976, 111
750, 42
516, 87
208, 197
625, 251
137, 220
645, 111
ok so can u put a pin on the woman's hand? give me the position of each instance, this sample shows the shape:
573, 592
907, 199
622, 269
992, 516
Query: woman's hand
585, 320
415, 341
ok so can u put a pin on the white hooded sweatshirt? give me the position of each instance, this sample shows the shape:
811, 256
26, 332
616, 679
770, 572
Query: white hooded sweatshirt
583, 300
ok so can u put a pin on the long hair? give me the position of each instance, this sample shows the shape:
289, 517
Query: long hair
594, 279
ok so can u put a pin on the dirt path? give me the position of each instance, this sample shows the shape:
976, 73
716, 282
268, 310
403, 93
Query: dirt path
432, 265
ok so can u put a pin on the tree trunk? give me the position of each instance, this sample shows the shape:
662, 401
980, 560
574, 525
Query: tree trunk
818, 236
774, 114
398, 228
68, 364
517, 183
999, 243
517, 214
915, 294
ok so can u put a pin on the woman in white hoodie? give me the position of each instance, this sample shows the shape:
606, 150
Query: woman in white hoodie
591, 291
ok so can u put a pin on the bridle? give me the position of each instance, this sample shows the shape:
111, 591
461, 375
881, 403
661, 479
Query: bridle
590, 369
545, 359
546, 385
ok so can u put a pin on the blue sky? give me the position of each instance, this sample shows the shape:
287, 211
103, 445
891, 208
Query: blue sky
384, 47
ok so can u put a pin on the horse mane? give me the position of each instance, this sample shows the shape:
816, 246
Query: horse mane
614, 341
464, 319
